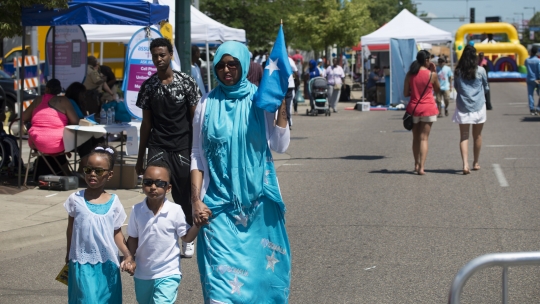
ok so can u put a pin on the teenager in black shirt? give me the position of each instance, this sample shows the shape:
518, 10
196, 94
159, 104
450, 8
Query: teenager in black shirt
168, 100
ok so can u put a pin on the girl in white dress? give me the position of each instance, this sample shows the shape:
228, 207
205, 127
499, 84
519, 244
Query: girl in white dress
93, 235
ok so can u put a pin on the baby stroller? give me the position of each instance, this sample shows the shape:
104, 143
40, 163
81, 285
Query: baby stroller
318, 97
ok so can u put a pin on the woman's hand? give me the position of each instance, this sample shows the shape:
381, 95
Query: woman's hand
200, 213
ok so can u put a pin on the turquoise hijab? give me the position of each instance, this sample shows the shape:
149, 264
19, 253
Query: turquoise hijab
234, 138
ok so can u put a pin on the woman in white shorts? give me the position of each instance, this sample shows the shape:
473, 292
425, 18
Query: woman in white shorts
471, 84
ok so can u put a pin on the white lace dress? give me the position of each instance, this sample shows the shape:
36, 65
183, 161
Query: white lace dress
94, 275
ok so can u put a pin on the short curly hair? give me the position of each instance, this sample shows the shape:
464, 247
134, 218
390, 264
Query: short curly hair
161, 42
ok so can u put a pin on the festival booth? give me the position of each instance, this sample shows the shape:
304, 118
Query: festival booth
403, 27
205, 31
107, 12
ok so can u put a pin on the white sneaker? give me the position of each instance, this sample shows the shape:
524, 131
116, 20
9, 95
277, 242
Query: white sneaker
188, 249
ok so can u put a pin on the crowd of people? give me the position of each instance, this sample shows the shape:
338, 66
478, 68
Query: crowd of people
190, 143
232, 205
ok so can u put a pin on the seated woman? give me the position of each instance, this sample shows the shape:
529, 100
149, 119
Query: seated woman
49, 114
75, 93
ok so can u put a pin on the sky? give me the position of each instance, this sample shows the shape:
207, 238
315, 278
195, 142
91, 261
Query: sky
509, 10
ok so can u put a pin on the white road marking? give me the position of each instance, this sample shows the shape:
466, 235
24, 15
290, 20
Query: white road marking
500, 175
505, 146
52, 194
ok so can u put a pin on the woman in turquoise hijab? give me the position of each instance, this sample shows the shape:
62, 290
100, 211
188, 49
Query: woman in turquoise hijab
242, 248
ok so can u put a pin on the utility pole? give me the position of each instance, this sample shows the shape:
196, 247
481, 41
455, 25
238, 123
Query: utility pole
182, 35
533, 8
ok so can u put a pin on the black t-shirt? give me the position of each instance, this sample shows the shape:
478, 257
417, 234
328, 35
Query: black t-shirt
170, 105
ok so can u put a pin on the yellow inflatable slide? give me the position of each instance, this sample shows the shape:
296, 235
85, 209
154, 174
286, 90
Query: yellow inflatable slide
502, 63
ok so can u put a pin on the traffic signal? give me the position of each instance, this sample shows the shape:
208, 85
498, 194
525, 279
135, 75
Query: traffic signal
493, 19
471, 17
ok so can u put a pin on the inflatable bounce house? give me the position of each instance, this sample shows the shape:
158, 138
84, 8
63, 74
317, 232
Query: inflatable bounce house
505, 60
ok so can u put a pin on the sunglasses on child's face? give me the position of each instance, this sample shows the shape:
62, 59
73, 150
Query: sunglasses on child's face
159, 183
99, 171
231, 65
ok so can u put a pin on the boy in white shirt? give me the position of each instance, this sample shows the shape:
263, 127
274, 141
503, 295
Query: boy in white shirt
153, 243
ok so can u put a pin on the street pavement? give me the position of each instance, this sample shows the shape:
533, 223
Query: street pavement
363, 228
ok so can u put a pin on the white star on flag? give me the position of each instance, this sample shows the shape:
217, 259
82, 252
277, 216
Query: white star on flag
272, 66
235, 284
241, 219
271, 261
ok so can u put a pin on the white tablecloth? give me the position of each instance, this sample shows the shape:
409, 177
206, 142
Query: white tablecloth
84, 133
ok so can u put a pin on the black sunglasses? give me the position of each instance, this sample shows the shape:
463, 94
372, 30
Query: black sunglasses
99, 171
159, 183
231, 65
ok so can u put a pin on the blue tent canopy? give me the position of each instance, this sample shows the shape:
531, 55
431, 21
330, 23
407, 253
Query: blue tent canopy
128, 12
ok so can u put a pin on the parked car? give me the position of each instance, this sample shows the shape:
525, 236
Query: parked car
6, 82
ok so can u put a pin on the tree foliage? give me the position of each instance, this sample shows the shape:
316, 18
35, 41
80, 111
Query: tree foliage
308, 24
324, 22
382, 11
534, 22
259, 18
10, 18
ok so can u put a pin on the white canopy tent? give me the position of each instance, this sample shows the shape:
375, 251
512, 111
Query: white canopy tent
204, 30
406, 26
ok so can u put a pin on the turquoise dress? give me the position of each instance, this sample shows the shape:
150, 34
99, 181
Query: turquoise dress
95, 283
243, 253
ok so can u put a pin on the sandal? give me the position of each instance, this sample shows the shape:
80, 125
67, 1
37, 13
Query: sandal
476, 167
466, 171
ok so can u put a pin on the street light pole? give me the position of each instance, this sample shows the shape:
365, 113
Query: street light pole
533, 8
521, 23
182, 37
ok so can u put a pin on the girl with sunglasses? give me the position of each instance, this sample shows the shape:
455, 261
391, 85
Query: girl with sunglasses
94, 236
243, 249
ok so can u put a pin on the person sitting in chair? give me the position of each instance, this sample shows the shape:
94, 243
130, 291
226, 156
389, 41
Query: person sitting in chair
371, 87
49, 114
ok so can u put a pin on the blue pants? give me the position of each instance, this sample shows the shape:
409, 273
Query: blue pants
531, 86
157, 291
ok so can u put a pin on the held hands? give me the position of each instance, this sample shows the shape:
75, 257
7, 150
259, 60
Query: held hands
128, 265
201, 213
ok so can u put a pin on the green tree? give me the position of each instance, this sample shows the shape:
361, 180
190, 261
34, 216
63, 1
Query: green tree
382, 11
259, 18
534, 22
323, 23
10, 19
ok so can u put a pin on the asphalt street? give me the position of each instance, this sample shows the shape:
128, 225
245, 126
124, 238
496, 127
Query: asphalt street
363, 228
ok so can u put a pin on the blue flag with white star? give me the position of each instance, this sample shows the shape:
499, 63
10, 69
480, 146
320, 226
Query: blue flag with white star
275, 80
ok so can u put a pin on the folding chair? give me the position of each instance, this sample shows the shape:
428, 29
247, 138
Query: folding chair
37, 154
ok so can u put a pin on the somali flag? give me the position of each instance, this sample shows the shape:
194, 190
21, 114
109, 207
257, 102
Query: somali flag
275, 80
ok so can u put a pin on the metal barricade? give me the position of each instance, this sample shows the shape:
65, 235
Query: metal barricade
504, 260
